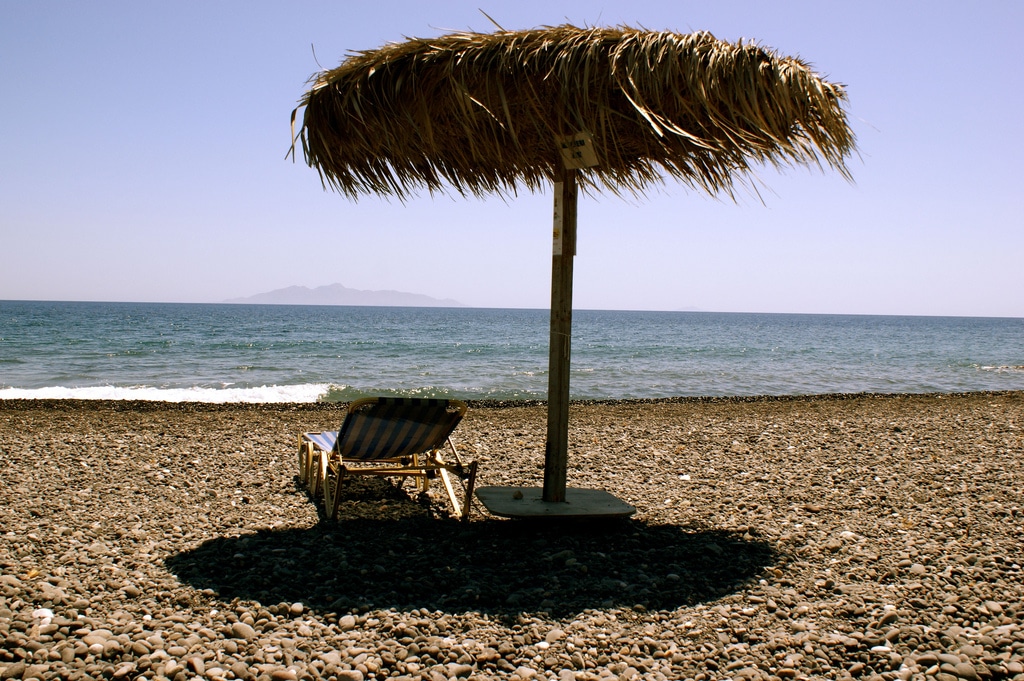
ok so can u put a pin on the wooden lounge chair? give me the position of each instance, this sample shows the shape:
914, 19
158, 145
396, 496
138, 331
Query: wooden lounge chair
391, 437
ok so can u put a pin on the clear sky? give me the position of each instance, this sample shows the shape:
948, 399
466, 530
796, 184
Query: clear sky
143, 159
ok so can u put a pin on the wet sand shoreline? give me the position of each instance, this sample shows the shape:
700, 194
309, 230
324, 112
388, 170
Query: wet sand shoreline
789, 537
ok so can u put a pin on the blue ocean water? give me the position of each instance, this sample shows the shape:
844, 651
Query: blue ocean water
280, 353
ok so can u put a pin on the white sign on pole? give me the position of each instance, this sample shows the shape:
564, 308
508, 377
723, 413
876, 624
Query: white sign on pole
578, 151
558, 222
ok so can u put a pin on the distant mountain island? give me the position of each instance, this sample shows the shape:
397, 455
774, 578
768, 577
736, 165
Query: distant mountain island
336, 294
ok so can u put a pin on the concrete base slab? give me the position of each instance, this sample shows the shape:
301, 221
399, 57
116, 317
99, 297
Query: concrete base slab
527, 502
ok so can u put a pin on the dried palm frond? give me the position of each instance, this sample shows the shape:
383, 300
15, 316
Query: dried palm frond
483, 113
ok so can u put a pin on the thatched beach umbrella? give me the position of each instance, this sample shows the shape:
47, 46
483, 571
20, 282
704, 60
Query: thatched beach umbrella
596, 108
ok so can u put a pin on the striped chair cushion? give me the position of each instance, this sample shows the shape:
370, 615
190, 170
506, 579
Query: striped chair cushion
391, 428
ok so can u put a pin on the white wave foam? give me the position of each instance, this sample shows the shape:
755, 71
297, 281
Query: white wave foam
310, 392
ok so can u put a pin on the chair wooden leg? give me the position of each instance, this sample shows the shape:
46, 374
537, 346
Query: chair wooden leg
303, 462
317, 471
325, 492
446, 480
332, 480
422, 482
470, 484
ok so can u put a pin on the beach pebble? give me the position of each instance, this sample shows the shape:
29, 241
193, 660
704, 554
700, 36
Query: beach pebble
13, 671
350, 675
966, 670
284, 675
243, 631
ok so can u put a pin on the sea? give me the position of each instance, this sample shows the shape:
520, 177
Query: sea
306, 353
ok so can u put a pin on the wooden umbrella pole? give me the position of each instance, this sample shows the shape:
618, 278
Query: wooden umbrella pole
556, 457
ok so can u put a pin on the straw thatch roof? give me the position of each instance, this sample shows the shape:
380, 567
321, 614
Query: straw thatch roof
483, 113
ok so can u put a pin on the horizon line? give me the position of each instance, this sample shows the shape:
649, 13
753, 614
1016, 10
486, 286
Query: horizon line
542, 309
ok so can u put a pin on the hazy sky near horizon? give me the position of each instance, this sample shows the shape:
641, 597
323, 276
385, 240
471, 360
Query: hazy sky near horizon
144, 154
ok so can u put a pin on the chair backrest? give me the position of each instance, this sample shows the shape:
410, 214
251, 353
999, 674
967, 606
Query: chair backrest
392, 427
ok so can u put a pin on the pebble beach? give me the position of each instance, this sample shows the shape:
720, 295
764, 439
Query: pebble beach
863, 536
